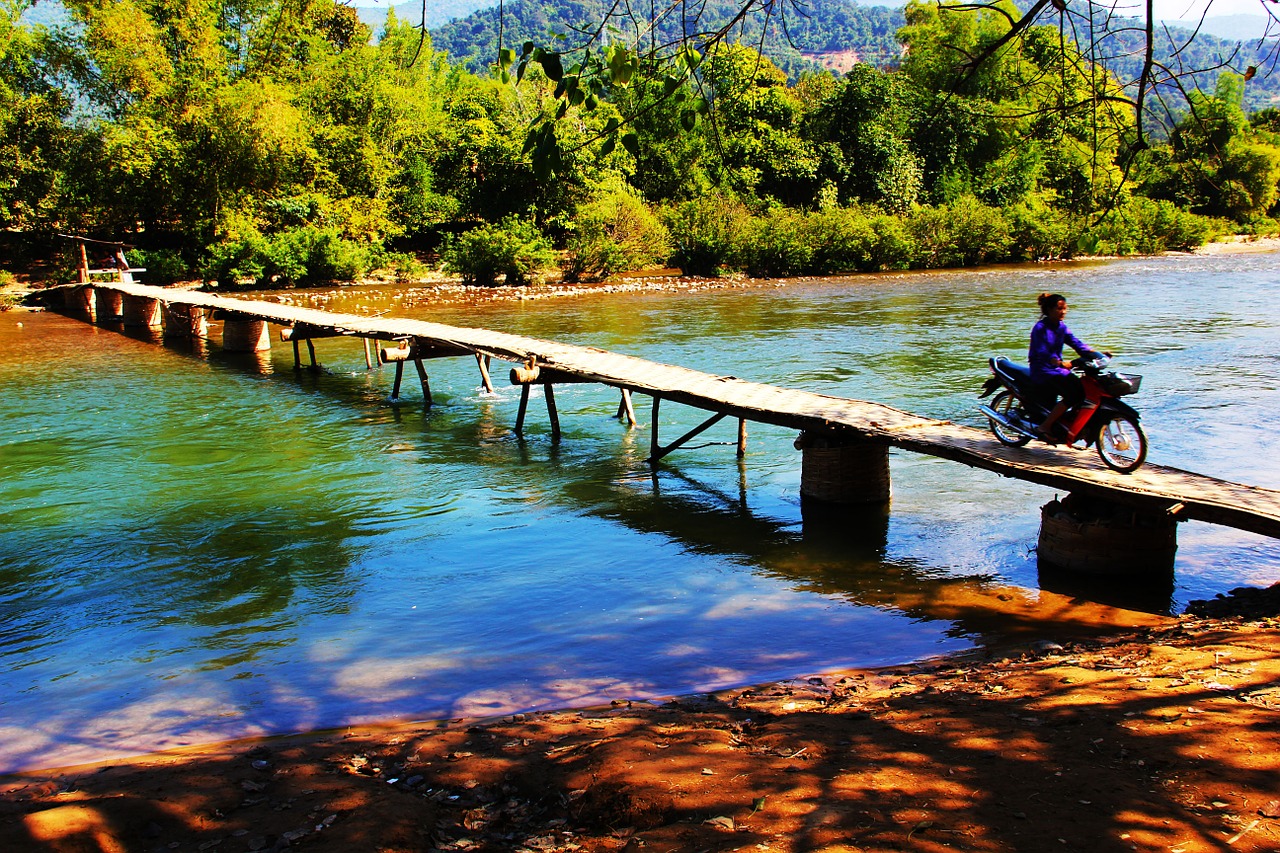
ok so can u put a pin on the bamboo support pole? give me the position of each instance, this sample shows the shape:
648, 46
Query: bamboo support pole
482, 361
524, 407
422, 377
297, 355
742, 437
625, 408
368, 355
395, 387
311, 351
654, 447
552, 414
659, 452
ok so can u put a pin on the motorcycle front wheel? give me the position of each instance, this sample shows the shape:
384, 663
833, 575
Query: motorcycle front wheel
1122, 444
1007, 406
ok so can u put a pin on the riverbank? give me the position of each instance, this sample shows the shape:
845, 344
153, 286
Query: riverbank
1161, 738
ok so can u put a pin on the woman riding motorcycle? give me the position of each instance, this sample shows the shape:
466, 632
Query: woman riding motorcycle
1045, 360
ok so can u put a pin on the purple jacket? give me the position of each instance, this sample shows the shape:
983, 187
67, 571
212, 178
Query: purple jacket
1046, 349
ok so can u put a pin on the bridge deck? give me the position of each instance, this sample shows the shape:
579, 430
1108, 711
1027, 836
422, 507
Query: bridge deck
1249, 508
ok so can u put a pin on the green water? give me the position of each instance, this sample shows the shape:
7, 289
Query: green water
197, 545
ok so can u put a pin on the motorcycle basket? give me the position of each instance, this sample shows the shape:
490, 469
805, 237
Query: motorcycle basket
1119, 384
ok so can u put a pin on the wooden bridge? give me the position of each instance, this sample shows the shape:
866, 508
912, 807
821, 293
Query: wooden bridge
1157, 491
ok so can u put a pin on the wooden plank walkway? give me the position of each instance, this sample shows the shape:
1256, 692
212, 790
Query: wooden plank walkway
1152, 487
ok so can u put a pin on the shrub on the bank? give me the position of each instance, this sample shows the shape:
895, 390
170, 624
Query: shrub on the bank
707, 234
613, 232
1039, 232
163, 266
306, 256
964, 233
858, 240
1146, 226
234, 262
513, 248
778, 243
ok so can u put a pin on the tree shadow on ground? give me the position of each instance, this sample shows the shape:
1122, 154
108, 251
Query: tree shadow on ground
1160, 740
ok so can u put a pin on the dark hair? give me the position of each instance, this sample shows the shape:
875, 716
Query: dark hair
1049, 300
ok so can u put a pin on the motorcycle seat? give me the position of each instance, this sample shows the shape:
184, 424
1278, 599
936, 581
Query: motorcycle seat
1019, 373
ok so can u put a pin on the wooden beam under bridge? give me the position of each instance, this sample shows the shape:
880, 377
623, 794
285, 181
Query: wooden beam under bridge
1153, 487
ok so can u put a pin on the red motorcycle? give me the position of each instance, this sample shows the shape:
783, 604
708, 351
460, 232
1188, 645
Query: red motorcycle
1103, 420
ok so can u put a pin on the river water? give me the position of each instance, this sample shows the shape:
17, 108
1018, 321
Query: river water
198, 546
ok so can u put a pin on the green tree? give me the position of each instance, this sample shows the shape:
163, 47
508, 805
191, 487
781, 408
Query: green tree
1216, 163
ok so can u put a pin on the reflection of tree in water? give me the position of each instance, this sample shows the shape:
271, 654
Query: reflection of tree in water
227, 576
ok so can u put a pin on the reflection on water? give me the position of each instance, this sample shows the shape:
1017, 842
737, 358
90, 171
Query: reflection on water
197, 544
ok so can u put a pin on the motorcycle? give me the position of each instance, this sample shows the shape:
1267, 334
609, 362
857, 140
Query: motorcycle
1103, 420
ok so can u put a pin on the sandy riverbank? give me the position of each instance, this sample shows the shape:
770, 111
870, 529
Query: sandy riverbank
1160, 738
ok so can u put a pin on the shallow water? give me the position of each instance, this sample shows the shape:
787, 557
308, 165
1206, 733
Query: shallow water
197, 545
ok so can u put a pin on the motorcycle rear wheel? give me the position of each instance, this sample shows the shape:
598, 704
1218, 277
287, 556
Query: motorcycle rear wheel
1006, 405
1122, 444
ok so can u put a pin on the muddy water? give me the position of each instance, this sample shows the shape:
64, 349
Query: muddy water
197, 545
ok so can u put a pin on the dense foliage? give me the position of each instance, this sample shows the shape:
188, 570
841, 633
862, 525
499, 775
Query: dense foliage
270, 142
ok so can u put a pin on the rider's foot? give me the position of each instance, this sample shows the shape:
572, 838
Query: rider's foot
1046, 437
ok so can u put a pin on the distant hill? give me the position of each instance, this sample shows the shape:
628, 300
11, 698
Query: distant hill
831, 28
438, 12
838, 33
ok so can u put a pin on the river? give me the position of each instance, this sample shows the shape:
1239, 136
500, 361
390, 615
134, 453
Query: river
197, 546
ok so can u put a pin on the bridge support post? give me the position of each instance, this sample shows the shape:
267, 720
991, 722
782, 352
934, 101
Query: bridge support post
243, 334
843, 469
81, 302
109, 304
185, 321
1095, 536
141, 312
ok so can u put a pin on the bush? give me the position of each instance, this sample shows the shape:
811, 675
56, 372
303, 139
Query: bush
965, 232
858, 240
1146, 226
514, 248
779, 243
298, 256
234, 263
1040, 233
615, 232
708, 234
163, 266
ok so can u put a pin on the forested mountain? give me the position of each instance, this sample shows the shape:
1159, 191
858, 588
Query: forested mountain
835, 34
838, 30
